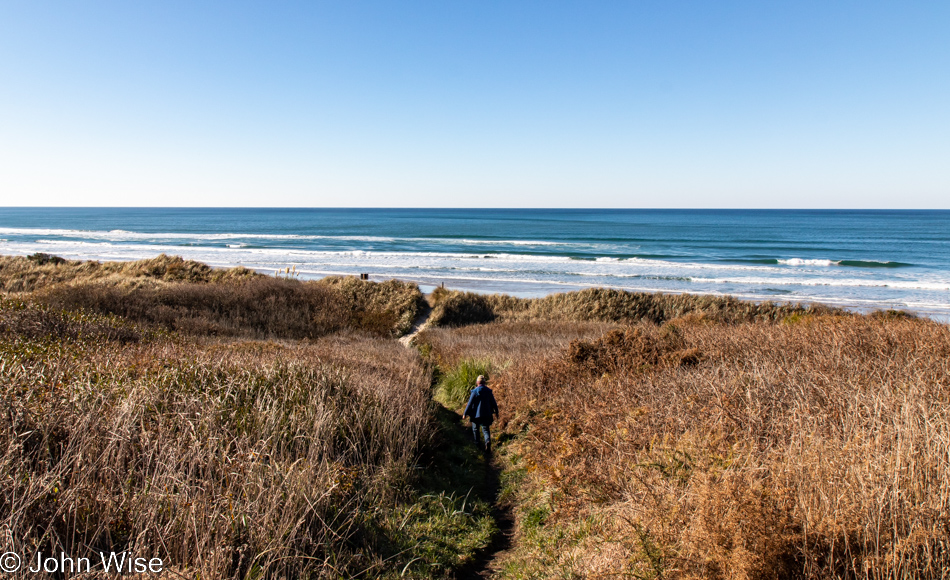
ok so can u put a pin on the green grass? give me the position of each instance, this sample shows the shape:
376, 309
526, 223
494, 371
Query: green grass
446, 520
454, 386
429, 535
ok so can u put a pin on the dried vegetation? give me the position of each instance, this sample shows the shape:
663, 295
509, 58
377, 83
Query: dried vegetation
225, 459
817, 446
136, 414
453, 308
191, 297
26, 274
643, 435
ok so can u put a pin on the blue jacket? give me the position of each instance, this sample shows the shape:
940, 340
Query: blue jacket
481, 405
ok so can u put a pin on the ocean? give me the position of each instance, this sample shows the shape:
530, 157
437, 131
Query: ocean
862, 260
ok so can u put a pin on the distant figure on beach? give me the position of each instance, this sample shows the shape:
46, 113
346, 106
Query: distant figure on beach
481, 408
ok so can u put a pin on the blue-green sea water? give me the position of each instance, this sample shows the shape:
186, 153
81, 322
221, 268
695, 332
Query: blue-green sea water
858, 259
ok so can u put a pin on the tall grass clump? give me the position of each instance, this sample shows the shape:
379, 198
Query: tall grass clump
258, 307
503, 343
454, 386
609, 305
28, 321
224, 459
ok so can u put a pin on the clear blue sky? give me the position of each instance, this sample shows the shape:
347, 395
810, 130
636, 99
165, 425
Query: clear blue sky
476, 103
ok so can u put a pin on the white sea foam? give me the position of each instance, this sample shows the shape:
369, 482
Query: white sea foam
797, 279
125, 235
500, 262
807, 262
842, 282
496, 242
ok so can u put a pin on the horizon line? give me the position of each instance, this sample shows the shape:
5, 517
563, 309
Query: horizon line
472, 208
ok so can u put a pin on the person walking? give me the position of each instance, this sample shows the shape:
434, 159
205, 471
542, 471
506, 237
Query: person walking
481, 409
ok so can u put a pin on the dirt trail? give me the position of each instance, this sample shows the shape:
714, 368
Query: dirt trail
487, 562
418, 325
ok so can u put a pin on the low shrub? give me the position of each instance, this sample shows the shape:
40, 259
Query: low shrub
42, 259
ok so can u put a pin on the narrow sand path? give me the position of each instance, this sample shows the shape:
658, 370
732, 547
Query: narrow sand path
418, 325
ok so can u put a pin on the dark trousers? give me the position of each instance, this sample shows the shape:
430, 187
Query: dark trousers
486, 429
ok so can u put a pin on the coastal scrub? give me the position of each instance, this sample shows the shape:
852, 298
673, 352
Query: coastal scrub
811, 446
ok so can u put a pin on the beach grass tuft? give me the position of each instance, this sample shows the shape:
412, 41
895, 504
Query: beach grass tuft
26, 274
456, 384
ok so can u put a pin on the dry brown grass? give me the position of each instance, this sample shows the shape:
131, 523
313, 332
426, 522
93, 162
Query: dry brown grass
23, 274
453, 308
191, 297
259, 307
227, 460
392, 304
502, 343
734, 441
814, 448
631, 307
